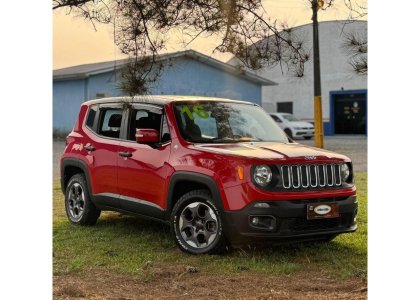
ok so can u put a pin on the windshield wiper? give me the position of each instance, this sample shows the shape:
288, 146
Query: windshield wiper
225, 140
240, 140
245, 139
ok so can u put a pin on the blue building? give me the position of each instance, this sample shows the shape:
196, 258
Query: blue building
185, 73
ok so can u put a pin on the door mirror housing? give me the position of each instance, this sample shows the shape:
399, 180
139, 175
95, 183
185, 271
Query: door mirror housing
146, 136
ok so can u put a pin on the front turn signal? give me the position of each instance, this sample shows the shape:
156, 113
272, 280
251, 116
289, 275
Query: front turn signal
241, 172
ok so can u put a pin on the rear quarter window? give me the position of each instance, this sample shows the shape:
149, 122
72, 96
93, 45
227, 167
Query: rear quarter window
90, 120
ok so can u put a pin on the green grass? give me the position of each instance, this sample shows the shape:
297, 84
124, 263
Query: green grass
125, 244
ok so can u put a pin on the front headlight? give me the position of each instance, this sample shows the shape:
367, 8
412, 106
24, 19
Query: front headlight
262, 175
345, 172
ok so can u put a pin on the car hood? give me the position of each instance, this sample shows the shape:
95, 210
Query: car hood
300, 124
270, 150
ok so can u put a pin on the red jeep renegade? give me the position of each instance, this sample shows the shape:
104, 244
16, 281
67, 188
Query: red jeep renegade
219, 172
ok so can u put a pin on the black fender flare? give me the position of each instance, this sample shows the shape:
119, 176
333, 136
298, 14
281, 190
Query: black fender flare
74, 162
194, 177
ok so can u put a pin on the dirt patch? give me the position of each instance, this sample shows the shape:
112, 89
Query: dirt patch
177, 282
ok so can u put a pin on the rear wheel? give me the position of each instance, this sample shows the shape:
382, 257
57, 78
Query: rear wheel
79, 207
307, 137
196, 224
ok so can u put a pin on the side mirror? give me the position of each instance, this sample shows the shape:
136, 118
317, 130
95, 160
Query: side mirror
145, 136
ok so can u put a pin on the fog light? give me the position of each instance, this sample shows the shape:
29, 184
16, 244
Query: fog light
254, 221
262, 205
263, 222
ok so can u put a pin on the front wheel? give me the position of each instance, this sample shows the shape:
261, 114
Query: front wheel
307, 137
289, 133
196, 224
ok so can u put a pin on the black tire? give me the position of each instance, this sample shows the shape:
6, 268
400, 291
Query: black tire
330, 237
199, 226
288, 132
79, 208
326, 239
307, 137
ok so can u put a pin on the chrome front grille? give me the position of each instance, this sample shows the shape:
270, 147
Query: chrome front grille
293, 177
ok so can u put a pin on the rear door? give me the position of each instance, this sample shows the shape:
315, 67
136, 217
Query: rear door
102, 144
142, 168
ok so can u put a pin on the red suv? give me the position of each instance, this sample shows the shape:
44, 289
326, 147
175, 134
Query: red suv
219, 172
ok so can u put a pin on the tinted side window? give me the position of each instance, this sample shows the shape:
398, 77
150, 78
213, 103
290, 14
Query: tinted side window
275, 118
110, 123
91, 116
143, 119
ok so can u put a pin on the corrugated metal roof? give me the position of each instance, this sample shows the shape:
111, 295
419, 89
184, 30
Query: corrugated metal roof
83, 71
87, 69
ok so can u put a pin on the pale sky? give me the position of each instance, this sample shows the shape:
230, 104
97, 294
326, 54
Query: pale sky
76, 42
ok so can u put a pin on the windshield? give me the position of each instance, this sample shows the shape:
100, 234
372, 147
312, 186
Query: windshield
224, 122
290, 118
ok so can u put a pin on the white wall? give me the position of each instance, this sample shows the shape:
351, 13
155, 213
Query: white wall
336, 73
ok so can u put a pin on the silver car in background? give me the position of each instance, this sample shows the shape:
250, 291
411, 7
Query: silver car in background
293, 126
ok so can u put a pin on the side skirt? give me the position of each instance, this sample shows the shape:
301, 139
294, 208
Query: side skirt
123, 204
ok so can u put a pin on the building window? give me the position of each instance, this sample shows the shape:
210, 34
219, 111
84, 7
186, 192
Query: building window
286, 107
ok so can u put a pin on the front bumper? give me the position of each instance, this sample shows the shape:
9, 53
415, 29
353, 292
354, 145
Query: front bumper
289, 221
303, 133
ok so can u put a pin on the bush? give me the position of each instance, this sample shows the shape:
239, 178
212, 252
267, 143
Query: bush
59, 134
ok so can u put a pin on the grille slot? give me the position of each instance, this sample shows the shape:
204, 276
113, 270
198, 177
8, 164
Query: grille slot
304, 171
295, 176
321, 175
311, 176
301, 224
337, 174
285, 177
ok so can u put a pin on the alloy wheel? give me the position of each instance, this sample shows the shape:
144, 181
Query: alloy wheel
198, 225
76, 201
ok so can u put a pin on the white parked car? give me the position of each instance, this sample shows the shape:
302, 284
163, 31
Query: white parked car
293, 127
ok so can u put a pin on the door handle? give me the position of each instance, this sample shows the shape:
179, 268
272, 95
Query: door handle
125, 154
89, 148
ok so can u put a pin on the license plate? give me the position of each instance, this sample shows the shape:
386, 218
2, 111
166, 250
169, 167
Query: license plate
322, 211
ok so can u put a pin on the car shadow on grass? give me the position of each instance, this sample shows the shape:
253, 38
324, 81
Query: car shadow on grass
124, 226
124, 242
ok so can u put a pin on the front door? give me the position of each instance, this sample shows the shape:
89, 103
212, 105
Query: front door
142, 168
350, 113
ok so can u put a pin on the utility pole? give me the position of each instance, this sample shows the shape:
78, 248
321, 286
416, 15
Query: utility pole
319, 126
